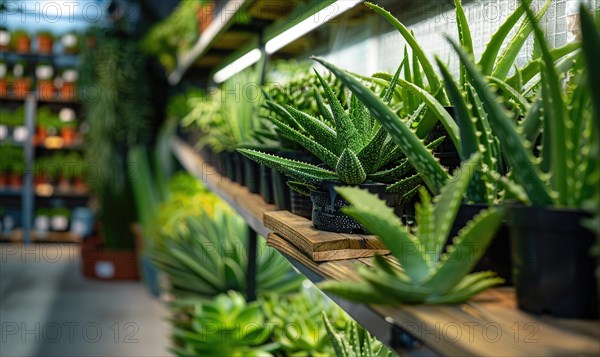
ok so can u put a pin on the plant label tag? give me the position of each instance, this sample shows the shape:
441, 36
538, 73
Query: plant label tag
3, 132
69, 40
105, 270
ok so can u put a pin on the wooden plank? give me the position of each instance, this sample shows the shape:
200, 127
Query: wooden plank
320, 245
490, 324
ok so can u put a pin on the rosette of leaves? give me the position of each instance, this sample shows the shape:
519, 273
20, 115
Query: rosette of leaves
354, 341
431, 273
224, 326
209, 257
297, 323
354, 150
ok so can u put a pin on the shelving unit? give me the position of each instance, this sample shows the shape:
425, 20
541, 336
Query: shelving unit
489, 324
26, 197
227, 40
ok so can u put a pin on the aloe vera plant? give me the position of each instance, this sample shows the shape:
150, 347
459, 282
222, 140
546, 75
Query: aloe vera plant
354, 341
562, 175
428, 275
354, 150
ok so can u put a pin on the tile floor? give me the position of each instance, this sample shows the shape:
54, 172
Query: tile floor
47, 308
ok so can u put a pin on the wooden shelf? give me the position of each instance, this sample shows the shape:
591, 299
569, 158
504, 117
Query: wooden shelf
16, 236
488, 325
248, 205
222, 21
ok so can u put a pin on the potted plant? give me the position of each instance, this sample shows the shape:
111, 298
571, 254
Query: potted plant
14, 121
59, 219
42, 222
45, 42
44, 73
558, 185
354, 152
45, 121
4, 39
21, 41
3, 79
70, 42
69, 81
431, 273
21, 80
68, 131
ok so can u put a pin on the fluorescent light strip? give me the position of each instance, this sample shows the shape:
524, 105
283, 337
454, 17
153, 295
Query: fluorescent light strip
237, 66
283, 39
307, 25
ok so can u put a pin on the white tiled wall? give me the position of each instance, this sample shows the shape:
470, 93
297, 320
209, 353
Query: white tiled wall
379, 47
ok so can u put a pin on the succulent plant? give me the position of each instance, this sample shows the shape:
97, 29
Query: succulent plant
224, 326
354, 150
431, 273
298, 327
354, 341
209, 258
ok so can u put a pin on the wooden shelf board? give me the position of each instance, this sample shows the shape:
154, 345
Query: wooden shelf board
248, 205
488, 325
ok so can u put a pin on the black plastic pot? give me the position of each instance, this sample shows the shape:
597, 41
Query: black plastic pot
497, 257
281, 191
227, 165
265, 187
251, 174
284, 196
327, 203
238, 168
552, 267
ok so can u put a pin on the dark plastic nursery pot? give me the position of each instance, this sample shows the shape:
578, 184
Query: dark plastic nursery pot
227, 164
553, 269
265, 188
251, 174
497, 256
327, 204
238, 167
283, 195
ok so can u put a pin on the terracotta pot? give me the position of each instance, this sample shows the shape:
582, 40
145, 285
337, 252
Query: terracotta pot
3, 180
23, 44
68, 135
106, 264
46, 90
3, 88
15, 181
40, 135
45, 44
79, 185
67, 91
21, 86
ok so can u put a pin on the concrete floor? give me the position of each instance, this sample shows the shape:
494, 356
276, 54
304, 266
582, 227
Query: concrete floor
48, 309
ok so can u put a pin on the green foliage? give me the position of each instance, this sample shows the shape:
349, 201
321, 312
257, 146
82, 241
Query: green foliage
173, 35
354, 341
225, 326
207, 256
118, 120
298, 328
12, 118
417, 153
429, 274
12, 160
562, 175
